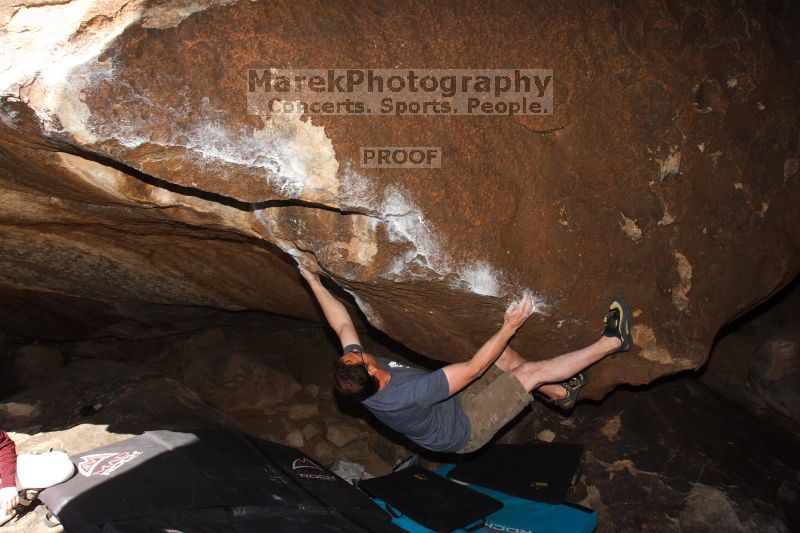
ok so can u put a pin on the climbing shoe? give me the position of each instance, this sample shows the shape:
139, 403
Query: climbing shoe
618, 323
573, 387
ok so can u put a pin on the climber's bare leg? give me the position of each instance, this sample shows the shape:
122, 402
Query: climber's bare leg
510, 359
535, 374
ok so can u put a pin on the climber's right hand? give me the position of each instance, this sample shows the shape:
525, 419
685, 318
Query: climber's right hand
518, 312
310, 277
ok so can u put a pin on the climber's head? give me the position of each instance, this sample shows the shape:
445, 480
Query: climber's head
355, 375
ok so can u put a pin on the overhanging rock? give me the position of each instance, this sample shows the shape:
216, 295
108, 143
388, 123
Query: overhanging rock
135, 182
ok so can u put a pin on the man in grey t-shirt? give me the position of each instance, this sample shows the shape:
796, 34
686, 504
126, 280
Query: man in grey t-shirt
418, 404
461, 406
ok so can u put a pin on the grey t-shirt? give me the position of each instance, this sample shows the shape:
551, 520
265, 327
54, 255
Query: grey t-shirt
416, 404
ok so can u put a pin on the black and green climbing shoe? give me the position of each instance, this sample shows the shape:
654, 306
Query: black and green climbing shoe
573, 387
618, 322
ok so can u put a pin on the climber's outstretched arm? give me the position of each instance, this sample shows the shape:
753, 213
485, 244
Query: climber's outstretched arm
459, 375
335, 313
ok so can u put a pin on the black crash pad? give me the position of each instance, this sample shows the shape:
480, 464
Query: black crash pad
537, 471
208, 481
430, 499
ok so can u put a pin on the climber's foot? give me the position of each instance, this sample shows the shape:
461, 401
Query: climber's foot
573, 388
564, 395
551, 392
618, 323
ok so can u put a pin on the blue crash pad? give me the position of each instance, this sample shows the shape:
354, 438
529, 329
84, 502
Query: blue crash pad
518, 515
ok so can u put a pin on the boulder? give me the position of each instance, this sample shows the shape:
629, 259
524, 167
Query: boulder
299, 411
375, 466
707, 509
358, 451
341, 433
676, 457
774, 374
312, 390
389, 451
236, 378
756, 364
546, 435
138, 190
310, 431
35, 363
323, 451
295, 439
19, 410
133, 400
76, 439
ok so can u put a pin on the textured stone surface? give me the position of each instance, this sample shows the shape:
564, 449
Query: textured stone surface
35, 364
342, 434
236, 378
18, 410
358, 451
300, 411
295, 439
674, 457
324, 451
133, 400
137, 192
756, 364
775, 374
310, 431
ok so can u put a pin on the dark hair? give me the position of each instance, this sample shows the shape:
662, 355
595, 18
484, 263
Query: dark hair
353, 380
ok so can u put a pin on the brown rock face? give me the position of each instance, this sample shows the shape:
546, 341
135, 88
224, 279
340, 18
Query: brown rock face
236, 380
138, 192
756, 364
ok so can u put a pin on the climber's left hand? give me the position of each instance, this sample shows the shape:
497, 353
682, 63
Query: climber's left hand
9, 498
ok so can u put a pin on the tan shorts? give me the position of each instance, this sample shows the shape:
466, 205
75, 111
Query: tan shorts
490, 402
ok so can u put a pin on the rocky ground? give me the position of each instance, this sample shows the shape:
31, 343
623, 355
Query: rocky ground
674, 456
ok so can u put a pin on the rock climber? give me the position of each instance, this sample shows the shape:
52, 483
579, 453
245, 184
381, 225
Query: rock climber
460, 407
